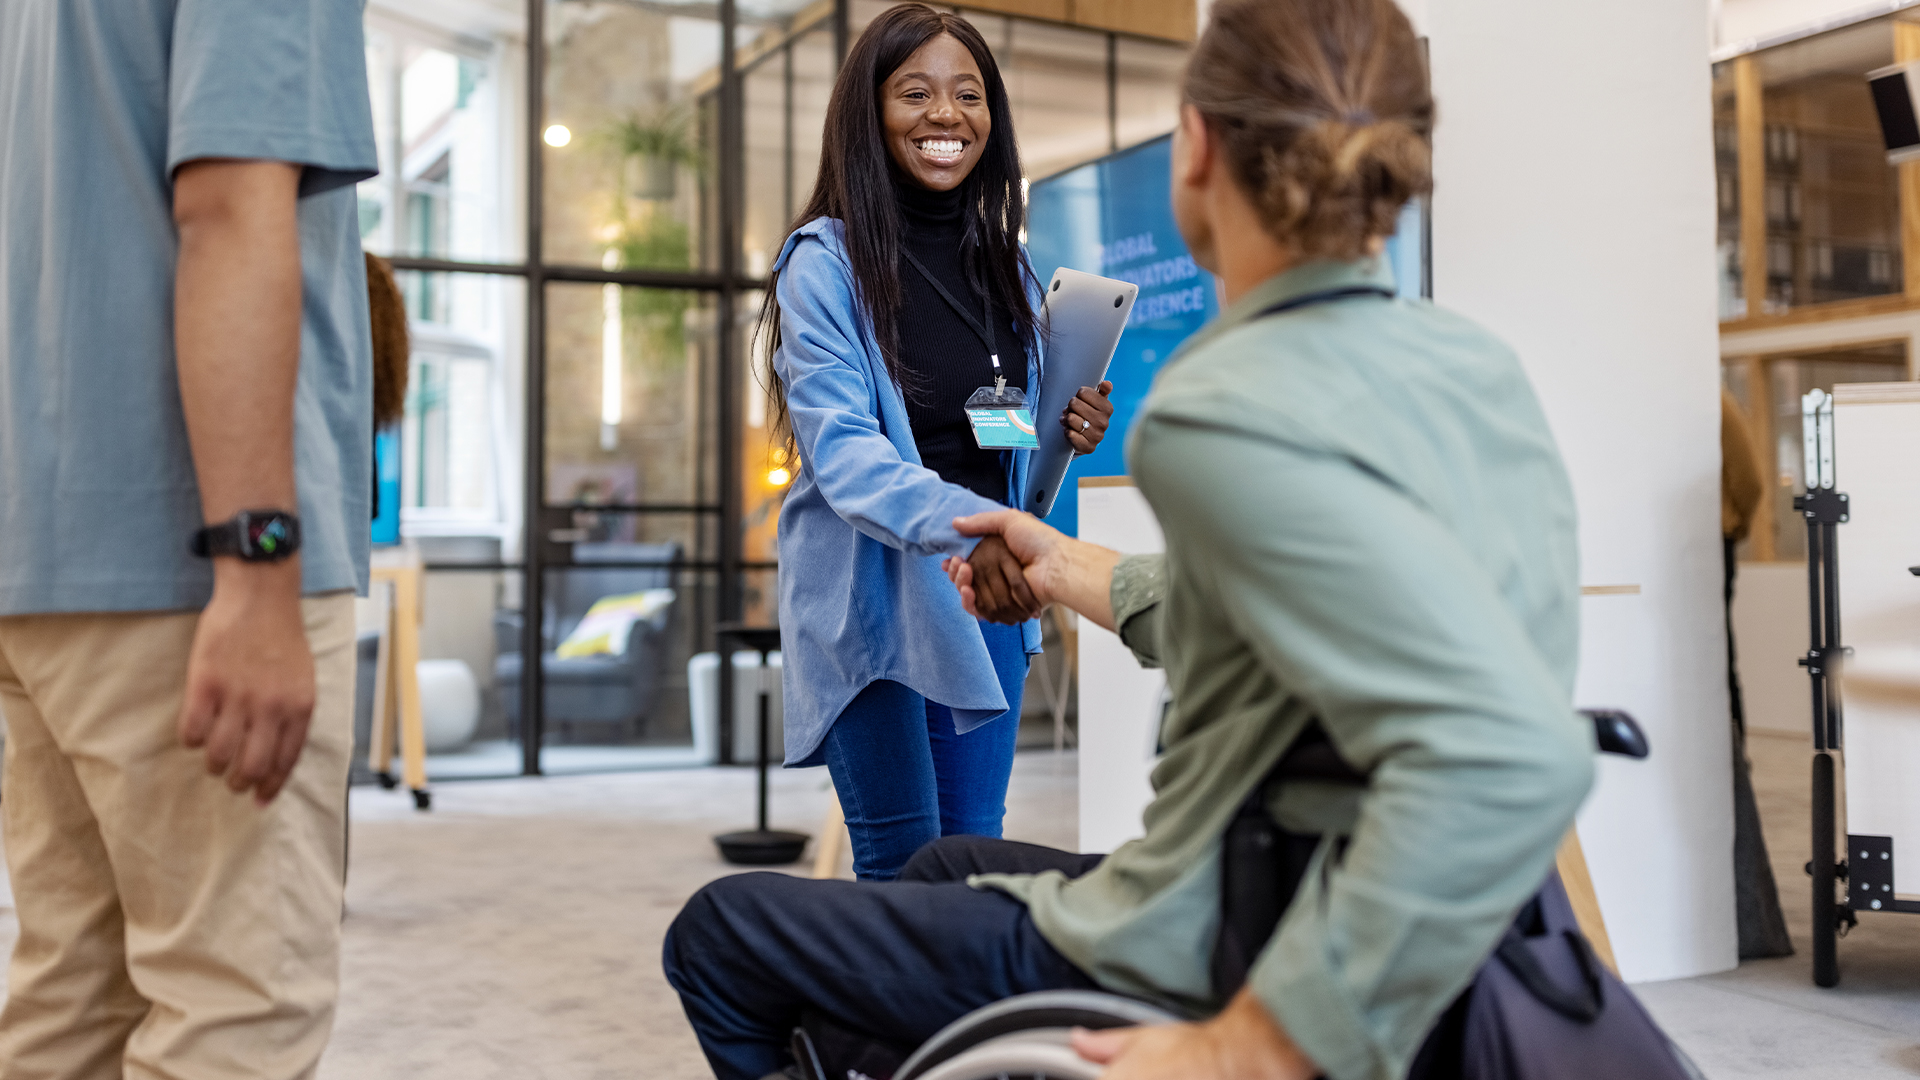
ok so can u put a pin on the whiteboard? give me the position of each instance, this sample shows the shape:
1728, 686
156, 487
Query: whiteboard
1877, 464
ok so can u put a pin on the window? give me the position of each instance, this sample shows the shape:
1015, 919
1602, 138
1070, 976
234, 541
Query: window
633, 177
786, 86
443, 105
1726, 159
1057, 83
1826, 200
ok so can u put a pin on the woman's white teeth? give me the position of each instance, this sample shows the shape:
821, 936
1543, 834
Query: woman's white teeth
942, 147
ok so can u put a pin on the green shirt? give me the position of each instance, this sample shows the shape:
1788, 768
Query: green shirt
1367, 523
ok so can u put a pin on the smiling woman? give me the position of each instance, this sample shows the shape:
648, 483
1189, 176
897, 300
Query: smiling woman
935, 113
866, 163
901, 292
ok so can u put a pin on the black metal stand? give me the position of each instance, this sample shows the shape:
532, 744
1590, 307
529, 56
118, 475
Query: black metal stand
1824, 510
1867, 864
759, 846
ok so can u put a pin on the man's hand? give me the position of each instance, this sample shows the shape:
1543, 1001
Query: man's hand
250, 689
1242, 1043
997, 589
1024, 543
1087, 416
1034, 543
1059, 569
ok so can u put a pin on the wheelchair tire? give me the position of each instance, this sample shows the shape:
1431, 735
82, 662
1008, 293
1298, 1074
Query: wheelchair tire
1046, 1017
1038, 1054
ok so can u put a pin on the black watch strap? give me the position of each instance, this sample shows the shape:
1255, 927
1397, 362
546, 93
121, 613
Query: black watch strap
251, 535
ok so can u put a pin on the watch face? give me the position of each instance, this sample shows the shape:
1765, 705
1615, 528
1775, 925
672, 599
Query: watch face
268, 535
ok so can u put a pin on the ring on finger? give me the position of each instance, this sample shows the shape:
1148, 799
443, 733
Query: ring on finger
1085, 424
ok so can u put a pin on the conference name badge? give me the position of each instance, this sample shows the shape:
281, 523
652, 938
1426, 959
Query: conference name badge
1001, 419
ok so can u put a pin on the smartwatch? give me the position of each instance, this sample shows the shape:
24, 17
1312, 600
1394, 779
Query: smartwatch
251, 536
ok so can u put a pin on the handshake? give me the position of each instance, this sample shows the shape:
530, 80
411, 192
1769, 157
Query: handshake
1021, 565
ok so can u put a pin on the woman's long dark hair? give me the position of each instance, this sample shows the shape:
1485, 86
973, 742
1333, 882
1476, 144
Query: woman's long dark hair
856, 186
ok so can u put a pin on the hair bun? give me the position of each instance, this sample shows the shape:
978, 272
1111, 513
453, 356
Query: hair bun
1322, 111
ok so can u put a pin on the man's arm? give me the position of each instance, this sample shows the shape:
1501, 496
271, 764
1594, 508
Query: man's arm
250, 684
1121, 593
1059, 568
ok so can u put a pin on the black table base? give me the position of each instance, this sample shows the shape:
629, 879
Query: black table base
759, 846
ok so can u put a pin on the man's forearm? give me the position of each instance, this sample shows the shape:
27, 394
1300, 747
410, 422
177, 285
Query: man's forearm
1079, 576
250, 687
237, 339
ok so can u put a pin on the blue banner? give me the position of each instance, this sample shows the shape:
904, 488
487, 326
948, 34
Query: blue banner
1113, 217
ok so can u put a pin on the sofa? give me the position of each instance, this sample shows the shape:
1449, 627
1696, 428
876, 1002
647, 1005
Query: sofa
610, 696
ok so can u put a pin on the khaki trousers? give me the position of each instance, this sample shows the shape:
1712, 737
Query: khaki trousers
169, 928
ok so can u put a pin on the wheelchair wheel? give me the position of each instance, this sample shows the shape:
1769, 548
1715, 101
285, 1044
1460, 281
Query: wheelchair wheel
1025, 1036
1039, 1054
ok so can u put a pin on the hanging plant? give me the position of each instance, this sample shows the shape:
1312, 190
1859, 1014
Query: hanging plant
651, 147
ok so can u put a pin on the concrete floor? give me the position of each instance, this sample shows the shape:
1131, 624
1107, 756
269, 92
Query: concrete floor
1766, 1019
513, 933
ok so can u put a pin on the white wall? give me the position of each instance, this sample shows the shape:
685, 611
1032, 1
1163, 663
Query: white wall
1574, 216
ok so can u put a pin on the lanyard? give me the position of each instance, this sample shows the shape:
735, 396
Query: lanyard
982, 326
1328, 296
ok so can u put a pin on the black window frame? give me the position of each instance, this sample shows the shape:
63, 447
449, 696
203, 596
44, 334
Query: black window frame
726, 282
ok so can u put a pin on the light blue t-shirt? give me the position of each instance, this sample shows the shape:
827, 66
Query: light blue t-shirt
100, 101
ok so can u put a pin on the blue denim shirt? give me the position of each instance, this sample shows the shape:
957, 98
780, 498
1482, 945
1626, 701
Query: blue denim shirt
864, 527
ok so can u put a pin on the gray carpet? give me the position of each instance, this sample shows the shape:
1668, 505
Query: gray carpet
513, 933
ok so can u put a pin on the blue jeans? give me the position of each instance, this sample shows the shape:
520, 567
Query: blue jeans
906, 779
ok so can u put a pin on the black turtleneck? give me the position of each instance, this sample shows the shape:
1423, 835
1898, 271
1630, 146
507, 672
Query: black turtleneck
945, 358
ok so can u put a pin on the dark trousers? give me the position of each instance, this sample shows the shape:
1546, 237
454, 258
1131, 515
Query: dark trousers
896, 961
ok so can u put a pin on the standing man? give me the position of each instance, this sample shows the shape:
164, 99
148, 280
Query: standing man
185, 396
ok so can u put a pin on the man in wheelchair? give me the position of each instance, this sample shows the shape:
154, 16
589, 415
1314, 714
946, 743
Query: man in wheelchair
1367, 615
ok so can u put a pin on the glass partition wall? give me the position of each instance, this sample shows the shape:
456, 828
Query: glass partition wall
1819, 260
582, 200
1809, 207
